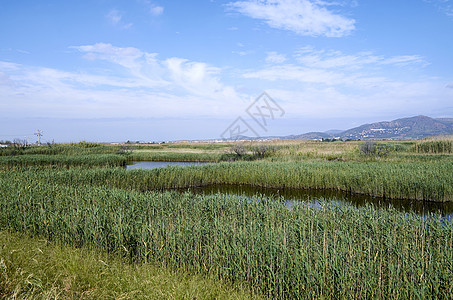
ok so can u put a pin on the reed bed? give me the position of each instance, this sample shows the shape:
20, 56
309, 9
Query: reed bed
61, 149
435, 147
303, 252
416, 180
174, 156
205, 146
90, 160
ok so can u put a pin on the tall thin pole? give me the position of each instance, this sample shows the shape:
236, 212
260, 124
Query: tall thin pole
39, 134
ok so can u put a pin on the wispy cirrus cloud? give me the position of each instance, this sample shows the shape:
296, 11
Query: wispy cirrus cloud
445, 6
156, 10
296, 73
330, 102
128, 83
328, 59
304, 17
198, 78
115, 18
321, 83
274, 57
153, 8
334, 68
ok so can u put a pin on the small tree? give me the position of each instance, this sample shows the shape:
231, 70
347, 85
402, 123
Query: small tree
368, 148
262, 151
238, 149
19, 143
372, 148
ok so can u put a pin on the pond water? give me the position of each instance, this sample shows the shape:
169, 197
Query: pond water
308, 196
314, 196
160, 164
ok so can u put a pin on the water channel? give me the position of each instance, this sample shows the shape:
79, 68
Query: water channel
160, 164
309, 196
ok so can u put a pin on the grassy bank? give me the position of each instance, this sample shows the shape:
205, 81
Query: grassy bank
34, 268
302, 252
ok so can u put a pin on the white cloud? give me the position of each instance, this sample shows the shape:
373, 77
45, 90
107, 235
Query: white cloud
304, 17
326, 84
329, 59
126, 57
404, 60
153, 8
156, 10
243, 53
133, 83
274, 57
294, 73
363, 72
126, 82
445, 6
408, 98
115, 18
196, 78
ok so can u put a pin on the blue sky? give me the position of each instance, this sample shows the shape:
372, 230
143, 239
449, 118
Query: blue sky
111, 70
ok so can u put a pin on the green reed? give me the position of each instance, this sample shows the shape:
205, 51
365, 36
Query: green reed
416, 180
174, 156
301, 252
58, 160
441, 146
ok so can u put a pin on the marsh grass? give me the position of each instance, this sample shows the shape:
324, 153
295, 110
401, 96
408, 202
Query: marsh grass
174, 156
435, 147
34, 268
62, 161
430, 181
305, 251
302, 252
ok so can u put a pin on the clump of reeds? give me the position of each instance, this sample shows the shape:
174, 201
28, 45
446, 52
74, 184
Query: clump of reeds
322, 251
435, 147
65, 161
417, 180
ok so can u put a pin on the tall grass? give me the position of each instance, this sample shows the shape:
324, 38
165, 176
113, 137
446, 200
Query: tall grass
417, 180
174, 156
181, 145
90, 160
302, 252
436, 147
62, 149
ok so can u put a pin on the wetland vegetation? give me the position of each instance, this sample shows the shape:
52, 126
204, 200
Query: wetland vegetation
80, 197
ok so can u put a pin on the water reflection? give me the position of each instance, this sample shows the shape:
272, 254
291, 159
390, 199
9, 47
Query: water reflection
292, 196
160, 164
311, 197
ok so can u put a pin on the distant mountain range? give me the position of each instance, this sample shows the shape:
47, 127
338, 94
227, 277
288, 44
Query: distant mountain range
401, 129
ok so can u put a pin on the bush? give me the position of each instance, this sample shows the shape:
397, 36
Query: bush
262, 151
372, 148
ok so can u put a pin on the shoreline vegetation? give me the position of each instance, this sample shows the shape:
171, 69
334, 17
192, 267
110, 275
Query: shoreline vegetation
413, 170
79, 197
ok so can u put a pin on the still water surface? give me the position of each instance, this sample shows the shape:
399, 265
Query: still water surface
312, 196
308, 196
160, 164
